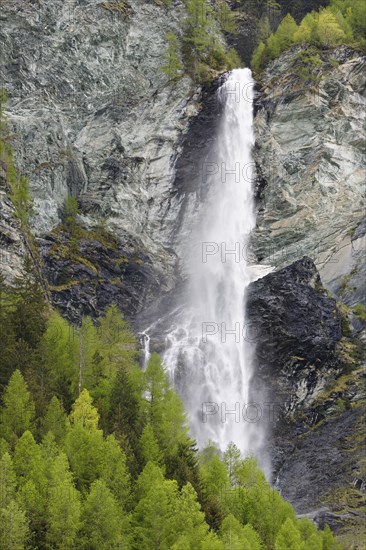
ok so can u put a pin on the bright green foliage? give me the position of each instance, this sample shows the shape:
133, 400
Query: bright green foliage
114, 471
203, 53
288, 537
60, 348
189, 518
307, 528
214, 471
328, 540
84, 441
7, 480
89, 372
252, 540
18, 408
32, 480
354, 12
55, 420
232, 459
20, 195
13, 527
164, 409
285, 32
126, 412
70, 213
27, 457
101, 519
117, 347
150, 451
84, 449
164, 516
281, 39
215, 484
232, 533
211, 542
314, 542
4, 447
82, 488
64, 508
329, 33
306, 32
153, 519
165, 412
343, 22
172, 67
83, 414
150, 476
235, 536
258, 57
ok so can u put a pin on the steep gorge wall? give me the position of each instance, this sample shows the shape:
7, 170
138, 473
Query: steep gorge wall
91, 114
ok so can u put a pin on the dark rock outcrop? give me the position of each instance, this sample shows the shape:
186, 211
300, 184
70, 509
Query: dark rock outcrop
312, 375
297, 328
90, 271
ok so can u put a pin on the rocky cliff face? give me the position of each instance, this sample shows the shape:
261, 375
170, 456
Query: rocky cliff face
92, 115
310, 153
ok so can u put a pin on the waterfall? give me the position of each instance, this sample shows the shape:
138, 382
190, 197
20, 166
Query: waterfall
207, 356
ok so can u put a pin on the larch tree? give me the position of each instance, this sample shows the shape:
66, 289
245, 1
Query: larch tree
64, 507
101, 519
14, 530
18, 408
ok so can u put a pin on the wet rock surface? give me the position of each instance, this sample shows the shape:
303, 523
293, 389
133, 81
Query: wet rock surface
297, 328
314, 378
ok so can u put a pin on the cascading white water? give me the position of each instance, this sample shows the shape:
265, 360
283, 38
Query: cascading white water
209, 366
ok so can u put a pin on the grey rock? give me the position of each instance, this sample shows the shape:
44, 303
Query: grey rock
310, 155
92, 115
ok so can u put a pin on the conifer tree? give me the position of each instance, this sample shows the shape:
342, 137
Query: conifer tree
232, 534
172, 64
189, 519
18, 408
83, 413
288, 537
285, 32
7, 480
27, 457
64, 508
306, 32
150, 451
84, 442
258, 58
101, 519
115, 473
60, 348
55, 420
329, 32
14, 529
